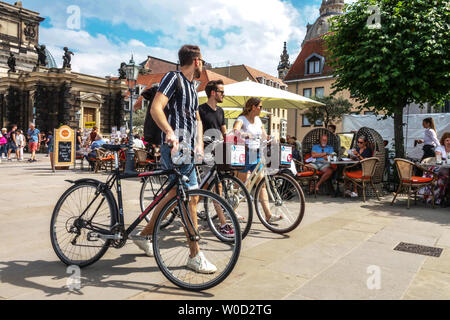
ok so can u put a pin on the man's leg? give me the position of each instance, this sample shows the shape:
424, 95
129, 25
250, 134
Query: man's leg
327, 173
148, 230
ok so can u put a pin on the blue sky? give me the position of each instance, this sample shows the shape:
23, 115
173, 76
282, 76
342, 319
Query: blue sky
248, 32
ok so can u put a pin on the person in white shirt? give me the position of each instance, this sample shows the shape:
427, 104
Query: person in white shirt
444, 149
138, 143
430, 140
250, 127
21, 142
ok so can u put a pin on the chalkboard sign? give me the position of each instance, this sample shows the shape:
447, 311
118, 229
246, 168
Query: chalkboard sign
65, 152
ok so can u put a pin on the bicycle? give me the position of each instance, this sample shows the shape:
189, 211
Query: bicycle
286, 197
233, 190
87, 221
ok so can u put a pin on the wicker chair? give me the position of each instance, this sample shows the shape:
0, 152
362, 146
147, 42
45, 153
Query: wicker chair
313, 138
405, 169
103, 160
376, 143
142, 161
306, 175
363, 177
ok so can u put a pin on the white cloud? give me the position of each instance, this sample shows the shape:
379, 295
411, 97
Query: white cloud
254, 31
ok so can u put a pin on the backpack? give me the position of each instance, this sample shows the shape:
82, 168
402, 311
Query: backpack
152, 133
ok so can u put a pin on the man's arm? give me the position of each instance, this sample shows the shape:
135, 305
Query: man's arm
199, 146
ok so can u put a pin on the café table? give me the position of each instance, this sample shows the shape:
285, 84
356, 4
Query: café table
341, 164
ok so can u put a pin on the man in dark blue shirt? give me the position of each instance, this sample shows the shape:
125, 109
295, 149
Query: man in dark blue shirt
182, 129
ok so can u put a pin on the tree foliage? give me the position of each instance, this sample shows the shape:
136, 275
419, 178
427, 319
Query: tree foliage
333, 110
405, 61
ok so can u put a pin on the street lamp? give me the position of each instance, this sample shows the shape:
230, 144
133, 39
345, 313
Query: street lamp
132, 71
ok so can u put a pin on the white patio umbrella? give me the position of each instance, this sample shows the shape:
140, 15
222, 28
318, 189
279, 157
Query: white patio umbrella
233, 113
237, 94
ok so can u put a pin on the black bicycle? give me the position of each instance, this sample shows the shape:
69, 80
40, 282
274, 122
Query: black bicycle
87, 221
215, 178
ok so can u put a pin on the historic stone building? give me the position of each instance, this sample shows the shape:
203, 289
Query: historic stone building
47, 95
310, 75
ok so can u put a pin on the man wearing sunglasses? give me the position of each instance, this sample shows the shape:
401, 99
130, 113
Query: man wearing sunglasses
213, 116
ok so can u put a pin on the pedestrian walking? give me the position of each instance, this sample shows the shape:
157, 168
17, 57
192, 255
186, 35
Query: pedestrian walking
3, 144
21, 143
34, 140
12, 144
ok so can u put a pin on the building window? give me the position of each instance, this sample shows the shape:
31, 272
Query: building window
307, 93
320, 92
305, 122
318, 123
313, 65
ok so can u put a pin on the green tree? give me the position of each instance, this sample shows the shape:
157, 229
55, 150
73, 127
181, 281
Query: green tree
333, 110
405, 60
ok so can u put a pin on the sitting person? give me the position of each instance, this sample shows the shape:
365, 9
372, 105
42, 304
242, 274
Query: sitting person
137, 142
442, 183
320, 152
361, 152
98, 143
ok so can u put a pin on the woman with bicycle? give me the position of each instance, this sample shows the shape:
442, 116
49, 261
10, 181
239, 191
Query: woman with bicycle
250, 127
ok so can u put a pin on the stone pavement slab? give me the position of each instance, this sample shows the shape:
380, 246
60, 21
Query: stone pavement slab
340, 250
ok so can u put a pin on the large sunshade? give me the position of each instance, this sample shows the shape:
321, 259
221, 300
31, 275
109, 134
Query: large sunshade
237, 94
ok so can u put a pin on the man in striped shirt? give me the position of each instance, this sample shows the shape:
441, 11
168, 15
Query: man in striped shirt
183, 130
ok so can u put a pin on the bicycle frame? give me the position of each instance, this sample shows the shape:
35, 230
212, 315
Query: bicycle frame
116, 178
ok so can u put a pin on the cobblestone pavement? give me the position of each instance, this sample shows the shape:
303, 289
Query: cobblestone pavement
342, 250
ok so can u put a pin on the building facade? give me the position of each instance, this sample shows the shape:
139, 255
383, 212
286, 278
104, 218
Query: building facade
47, 95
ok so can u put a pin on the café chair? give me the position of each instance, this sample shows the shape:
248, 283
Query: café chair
307, 175
363, 177
142, 161
405, 169
103, 160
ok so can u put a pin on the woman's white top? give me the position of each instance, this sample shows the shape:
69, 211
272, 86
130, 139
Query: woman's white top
20, 140
431, 138
441, 150
254, 129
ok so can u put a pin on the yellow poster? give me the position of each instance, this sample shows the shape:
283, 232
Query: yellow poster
64, 147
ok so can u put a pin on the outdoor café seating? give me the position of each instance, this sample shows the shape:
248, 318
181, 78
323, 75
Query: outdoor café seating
411, 183
308, 175
103, 160
363, 177
376, 143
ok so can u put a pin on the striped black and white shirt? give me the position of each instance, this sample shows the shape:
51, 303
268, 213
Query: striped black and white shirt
182, 106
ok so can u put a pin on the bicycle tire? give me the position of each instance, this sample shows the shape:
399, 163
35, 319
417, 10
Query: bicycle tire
57, 240
292, 216
234, 199
171, 248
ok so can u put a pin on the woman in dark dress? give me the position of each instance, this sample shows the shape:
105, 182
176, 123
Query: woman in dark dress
361, 152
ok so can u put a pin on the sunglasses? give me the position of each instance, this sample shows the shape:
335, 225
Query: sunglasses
203, 61
360, 142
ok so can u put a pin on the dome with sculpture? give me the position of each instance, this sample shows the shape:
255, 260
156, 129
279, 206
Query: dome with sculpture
328, 9
51, 63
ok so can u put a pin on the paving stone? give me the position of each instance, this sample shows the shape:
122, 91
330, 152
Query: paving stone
429, 285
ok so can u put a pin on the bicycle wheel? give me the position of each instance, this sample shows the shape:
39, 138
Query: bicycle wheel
172, 251
288, 201
238, 197
69, 228
149, 190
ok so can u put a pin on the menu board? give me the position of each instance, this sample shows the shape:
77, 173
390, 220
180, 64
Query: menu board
64, 151
286, 155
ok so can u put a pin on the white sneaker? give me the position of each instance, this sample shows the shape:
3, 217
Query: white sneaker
145, 245
354, 195
200, 264
275, 218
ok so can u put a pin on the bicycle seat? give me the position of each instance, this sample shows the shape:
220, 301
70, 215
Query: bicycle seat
112, 147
